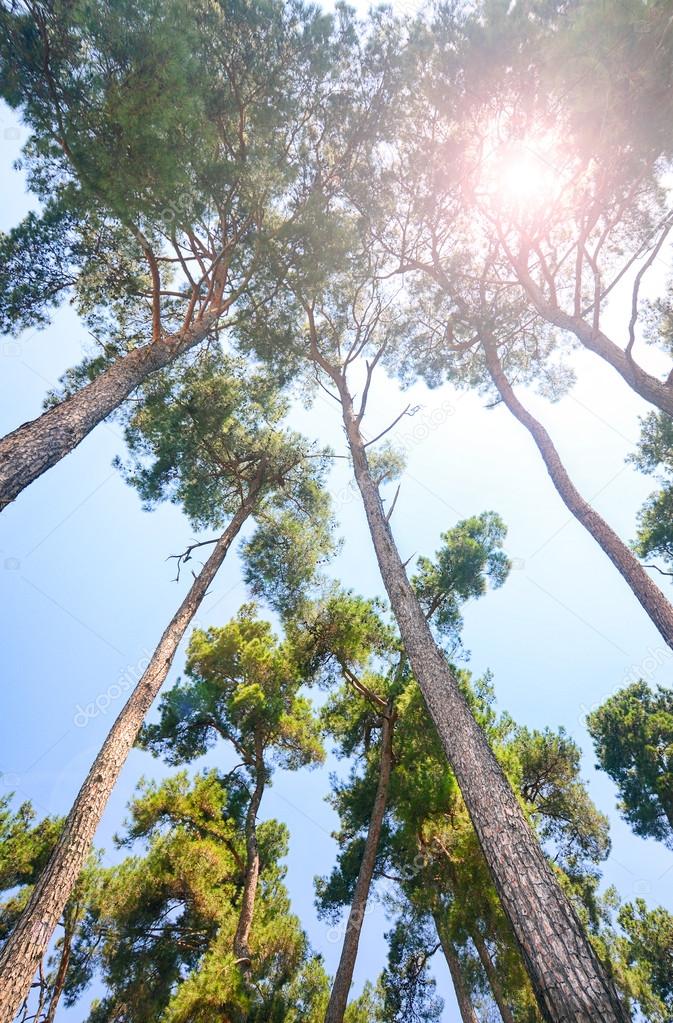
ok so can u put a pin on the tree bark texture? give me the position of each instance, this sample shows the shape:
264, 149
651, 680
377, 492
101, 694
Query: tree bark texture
27, 452
567, 978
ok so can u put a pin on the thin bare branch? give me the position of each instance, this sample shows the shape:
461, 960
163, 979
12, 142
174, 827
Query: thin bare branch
407, 411
636, 285
392, 507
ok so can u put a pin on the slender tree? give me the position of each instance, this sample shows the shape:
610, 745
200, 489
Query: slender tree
345, 631
465, 1007
477, 324
344, 976
244, 688
199, 441
643, 587
456, 224
472, 356
29, 939
567, 978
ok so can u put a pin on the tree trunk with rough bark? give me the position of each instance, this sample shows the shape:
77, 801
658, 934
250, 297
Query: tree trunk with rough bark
62, 972
568, 980
467, 1013
31, 449
653, 390
30, 938
343, 979
242, 935
643, 587
493, 979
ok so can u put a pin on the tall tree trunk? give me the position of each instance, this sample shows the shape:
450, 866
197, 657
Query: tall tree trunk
41, 983
242, 935
28, 941
644, 589
349, 950
36, 446
568, 980
492, 975
653, 390
62, 972
467, 1013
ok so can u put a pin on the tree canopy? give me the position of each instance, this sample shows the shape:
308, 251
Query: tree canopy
256, 209
633, 738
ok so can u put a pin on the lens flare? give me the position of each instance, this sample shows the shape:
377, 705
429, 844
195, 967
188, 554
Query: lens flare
526, 178
519, 178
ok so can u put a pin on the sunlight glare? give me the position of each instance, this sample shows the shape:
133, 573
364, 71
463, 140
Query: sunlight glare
525, 178
520, 177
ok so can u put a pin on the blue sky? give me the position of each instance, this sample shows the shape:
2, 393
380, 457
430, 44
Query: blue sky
87, 589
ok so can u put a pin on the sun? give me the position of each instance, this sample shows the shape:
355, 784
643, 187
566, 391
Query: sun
525, 177
519, 178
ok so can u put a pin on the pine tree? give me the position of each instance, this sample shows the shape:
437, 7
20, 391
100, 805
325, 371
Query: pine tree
200, 441
243, 688
633, 739
160, 928
449, 224
165, 141
530, 894
347, 632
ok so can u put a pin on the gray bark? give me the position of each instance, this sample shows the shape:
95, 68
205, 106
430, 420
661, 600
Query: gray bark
349, 950
467, 1013
31, 449
643, 587
567, 978
30, 938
